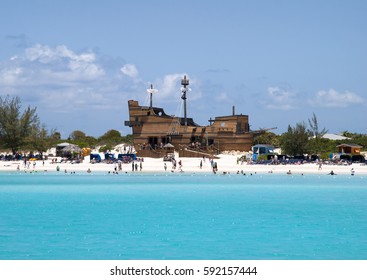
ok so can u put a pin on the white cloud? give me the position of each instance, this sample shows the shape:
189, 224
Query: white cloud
332, 98
130, 70
46, 54
60, 65
282, 99
9, 76
61, 79
223, 96
169, 88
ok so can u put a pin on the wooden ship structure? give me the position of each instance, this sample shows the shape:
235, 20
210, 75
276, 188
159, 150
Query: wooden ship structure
157, 134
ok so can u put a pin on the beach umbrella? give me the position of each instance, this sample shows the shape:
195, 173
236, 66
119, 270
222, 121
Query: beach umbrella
168, 145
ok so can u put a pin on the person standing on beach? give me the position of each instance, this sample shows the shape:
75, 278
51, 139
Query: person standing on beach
165, 166
201, 164
320, 166
173, 164
132, 166
141, 166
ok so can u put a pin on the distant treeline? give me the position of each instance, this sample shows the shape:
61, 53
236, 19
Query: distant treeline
308, 139
22, 131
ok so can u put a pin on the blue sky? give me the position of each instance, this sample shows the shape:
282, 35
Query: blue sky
79, 62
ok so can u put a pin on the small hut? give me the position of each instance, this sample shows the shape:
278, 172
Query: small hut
170, 152
349, 149
72, 152
60, 147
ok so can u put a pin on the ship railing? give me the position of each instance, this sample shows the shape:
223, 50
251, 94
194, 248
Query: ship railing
204, 150
174, 133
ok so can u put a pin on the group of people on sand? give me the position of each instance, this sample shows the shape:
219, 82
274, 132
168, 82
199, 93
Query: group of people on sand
135, 166
174, 165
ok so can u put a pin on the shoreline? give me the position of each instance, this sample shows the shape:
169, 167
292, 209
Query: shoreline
227, 164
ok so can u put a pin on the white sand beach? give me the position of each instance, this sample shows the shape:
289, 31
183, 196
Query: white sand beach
227, 164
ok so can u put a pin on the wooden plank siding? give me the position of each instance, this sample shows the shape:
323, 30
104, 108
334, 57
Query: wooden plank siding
152, 128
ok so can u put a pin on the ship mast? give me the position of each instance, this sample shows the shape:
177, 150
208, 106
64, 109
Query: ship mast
151, 90
184, 89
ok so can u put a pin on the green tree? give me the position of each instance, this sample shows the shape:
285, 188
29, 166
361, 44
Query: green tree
55, 136
359, 139
90, 141
316, 134
79, 138
346, 133
15, 126
269, 138
38, 139
322, 146
295, 141
128, 139
111, 137
77, 135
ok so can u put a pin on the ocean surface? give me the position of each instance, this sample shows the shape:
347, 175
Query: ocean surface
161, 216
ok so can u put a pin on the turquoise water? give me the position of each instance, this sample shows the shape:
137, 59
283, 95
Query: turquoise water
187, 216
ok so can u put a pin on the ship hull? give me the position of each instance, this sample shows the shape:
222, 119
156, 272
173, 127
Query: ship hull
153, 129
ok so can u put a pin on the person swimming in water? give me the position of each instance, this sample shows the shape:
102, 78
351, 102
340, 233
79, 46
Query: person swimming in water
331, 173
